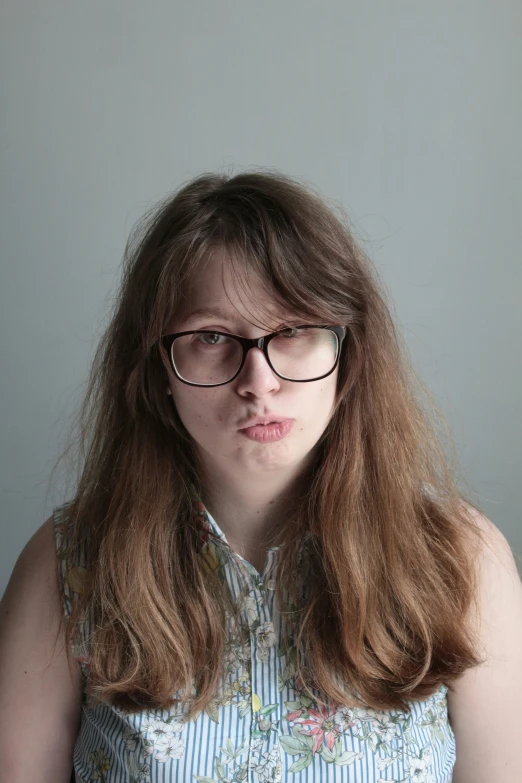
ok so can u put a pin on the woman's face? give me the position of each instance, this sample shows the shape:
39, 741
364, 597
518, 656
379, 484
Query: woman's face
215, 417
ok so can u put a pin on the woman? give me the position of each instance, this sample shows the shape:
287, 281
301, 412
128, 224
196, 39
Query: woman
266, 571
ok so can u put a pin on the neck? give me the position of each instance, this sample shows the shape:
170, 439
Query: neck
249, 514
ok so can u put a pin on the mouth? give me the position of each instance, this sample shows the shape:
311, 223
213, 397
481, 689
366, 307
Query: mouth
270, 419
269, 431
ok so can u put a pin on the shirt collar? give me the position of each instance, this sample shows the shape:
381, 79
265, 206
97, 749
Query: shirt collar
211, 529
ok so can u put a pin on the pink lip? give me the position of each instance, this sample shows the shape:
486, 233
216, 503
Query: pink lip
267, 433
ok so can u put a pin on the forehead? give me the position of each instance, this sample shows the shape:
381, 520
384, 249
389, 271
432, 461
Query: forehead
220, 289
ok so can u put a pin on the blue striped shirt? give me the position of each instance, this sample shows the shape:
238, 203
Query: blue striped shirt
261, 726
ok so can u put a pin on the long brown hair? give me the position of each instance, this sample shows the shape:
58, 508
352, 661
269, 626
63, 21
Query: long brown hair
376, 565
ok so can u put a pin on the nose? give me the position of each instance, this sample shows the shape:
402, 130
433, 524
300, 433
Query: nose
256, 376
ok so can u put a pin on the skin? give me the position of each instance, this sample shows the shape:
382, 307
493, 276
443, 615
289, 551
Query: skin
484, 704
248, 485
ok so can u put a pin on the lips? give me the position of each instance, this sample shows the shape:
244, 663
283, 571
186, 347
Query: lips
268, 433
264, 420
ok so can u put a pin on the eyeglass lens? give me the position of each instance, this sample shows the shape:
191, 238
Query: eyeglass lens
296, 354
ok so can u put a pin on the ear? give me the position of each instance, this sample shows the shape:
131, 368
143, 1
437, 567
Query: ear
169, 390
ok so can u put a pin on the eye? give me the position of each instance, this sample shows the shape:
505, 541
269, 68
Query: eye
210, 338
291, 331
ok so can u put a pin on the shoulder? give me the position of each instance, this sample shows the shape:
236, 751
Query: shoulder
36, 566
37, 592
32, 601
484, 704
40, 693
496, 571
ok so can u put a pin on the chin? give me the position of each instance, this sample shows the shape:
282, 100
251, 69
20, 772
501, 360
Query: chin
268, 459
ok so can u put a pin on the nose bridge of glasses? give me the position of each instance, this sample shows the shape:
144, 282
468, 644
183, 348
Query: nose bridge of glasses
260, 344
256, 342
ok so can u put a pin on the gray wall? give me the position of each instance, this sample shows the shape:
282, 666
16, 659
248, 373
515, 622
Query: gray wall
408, 114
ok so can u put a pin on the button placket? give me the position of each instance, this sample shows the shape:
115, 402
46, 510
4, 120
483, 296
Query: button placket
265, 758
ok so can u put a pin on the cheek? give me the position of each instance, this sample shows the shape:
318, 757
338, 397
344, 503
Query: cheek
195, 408
323, 402
316, 408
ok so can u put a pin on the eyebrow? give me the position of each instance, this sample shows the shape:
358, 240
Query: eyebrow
209, 312
217, 312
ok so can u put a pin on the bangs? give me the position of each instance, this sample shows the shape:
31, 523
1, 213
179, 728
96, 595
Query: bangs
309, 275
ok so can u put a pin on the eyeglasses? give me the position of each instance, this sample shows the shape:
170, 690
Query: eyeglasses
303, 353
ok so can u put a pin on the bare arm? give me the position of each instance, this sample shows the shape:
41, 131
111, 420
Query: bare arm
484, 707
40, 697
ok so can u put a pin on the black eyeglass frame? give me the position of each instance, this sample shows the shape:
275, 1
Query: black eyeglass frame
255, 342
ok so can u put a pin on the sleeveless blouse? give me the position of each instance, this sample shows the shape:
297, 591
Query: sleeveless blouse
260, 726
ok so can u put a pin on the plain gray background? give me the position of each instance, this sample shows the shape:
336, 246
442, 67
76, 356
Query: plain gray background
407, 114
